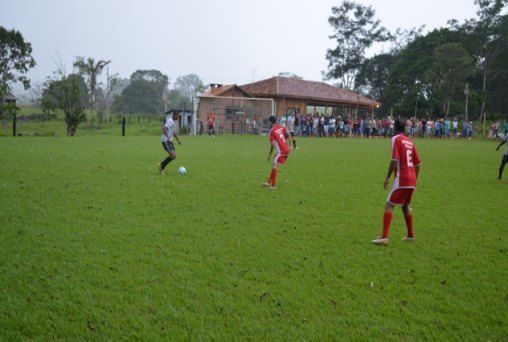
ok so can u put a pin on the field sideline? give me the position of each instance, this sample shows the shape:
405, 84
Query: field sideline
95, 244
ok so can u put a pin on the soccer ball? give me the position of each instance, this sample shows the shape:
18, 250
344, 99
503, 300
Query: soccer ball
182, 171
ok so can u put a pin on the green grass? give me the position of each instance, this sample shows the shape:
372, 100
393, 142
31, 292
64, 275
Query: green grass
95, 244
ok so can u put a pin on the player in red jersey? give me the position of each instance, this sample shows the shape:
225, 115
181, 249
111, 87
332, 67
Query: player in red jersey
210, 121
277, 136
405, 165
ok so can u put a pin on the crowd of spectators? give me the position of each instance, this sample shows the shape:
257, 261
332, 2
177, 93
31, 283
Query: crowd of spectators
320, 125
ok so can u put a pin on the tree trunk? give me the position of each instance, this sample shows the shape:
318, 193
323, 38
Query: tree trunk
416, 106
484, 87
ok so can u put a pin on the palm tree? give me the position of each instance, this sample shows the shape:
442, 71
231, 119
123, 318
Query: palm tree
91, 70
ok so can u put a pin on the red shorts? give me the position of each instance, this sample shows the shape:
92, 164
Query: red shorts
280, 159
400, 196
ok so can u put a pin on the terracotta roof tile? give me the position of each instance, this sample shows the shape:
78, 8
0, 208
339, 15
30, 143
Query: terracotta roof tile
298, 88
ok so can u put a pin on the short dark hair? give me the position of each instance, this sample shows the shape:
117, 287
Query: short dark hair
272, 119
399, 125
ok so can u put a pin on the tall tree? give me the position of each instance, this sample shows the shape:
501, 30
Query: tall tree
91, 70
184, 89
103, 99
489, 41
373, 76
15, 61
407, 90
450, 68
355, 30
144, 94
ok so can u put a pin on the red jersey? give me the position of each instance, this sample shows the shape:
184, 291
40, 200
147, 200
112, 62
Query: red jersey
404, 151
211, 119
277, 137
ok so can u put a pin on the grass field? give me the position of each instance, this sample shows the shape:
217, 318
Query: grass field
95, 244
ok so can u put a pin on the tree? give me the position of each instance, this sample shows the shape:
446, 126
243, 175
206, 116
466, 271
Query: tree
91, 70
355, 30
488, 40
450, 68
373, 75
408, 90
103, 98
71, 96
184, 90
498, 86
144, 94
15, 60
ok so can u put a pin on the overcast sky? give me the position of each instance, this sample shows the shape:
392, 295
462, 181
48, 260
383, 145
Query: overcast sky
222, 41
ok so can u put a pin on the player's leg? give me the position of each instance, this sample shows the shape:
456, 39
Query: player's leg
279, 159
408, 217
273, 176
169, 148
501, 168
395, 197
387, 219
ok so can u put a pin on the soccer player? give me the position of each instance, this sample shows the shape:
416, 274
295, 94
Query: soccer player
405, 165
504, 160
277, 136
168, 132
210, 120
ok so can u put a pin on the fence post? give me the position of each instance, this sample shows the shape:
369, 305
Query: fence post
123, 127
14, 126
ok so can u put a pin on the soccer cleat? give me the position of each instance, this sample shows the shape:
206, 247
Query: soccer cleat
266, 184
272, 188
408, 238
162, 171
380, 241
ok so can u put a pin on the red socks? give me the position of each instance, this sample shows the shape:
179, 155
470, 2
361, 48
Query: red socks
409, 225
387, 220
273, 176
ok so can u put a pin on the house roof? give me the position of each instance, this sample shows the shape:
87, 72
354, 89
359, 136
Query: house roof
310, 90
219, 89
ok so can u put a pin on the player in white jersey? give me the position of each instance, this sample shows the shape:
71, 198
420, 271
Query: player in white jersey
168, 132
504, 140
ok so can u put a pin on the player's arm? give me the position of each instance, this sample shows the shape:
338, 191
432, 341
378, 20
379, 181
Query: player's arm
270, 153
177, 139
391, 169
501, 144
417, 170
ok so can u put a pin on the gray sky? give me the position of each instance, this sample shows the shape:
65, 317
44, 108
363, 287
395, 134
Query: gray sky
222, 41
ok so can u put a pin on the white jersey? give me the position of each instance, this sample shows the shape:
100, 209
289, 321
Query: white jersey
171, 127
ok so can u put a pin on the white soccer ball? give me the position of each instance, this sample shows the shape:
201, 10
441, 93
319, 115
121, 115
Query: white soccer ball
182, 171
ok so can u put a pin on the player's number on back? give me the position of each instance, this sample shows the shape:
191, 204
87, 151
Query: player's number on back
409, 158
